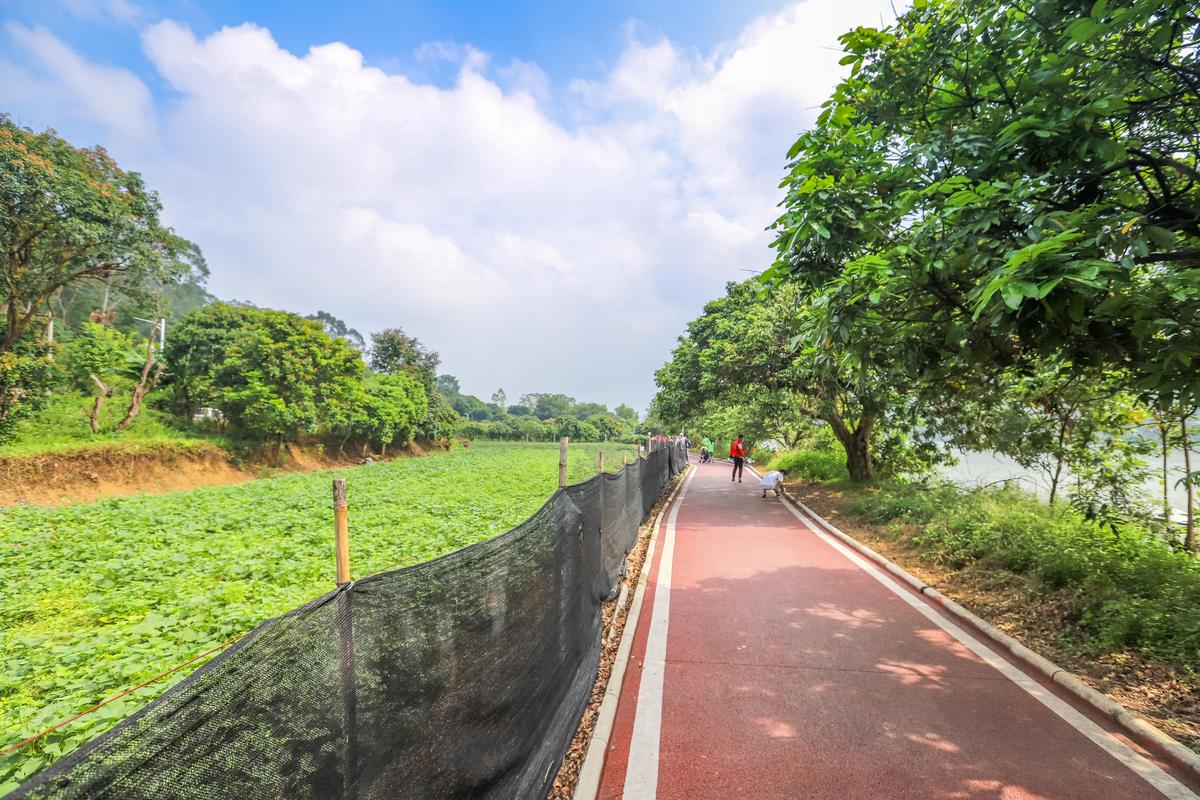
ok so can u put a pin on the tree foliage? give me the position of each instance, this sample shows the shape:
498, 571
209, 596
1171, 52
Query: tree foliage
70, 214
393, 351
273, 375
338, 329
999, 183
26, 374
754, 358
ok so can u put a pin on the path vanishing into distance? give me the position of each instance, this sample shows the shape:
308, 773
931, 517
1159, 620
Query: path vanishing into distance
771, 661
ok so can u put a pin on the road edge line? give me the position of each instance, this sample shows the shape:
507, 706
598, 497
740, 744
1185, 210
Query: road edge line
587, 785
1141, 730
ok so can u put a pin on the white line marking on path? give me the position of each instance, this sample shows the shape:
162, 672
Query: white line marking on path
1122, 752
641, 773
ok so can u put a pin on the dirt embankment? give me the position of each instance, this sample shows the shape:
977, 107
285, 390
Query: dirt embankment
1039, 619
120, 470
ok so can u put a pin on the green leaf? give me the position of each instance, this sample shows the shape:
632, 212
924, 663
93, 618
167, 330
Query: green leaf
1047, 287
1081, 30
1075, 308
1012, 295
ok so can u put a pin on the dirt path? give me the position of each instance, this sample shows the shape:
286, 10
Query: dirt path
770, 662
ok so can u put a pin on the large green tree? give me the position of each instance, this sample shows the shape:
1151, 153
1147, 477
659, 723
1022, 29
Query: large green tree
393, 351
70, 214
999, 183
274, 375
769, 356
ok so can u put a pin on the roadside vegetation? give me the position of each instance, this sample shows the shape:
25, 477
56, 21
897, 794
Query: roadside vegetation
1129, 589
86, 613
61, 426
1113, 602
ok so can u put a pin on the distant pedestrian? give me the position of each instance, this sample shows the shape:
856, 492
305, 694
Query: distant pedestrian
707, 448
737, 452
773, 482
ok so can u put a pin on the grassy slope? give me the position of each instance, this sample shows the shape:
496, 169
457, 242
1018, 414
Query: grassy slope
98, 597
63, 426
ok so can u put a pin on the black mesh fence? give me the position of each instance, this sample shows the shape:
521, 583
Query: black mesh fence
463, 677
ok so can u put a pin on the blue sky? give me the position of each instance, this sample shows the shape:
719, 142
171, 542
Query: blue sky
544, 193
565, 39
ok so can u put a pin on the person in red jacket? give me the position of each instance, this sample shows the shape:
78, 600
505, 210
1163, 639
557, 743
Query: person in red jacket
737, 452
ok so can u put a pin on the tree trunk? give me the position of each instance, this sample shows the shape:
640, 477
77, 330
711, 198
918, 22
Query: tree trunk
1191, 489
1054, 479
1063, 423
857, 444
145, 384
103, 392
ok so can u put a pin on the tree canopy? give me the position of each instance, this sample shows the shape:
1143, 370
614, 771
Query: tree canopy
998, 183
69, 214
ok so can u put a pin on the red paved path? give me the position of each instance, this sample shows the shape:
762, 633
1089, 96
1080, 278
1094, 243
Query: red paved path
791, 672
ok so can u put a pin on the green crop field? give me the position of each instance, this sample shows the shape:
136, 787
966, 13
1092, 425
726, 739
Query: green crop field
98, 597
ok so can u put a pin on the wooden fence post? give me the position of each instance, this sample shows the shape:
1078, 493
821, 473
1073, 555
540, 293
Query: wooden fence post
601, 462
341, 531
562, 461
341, 537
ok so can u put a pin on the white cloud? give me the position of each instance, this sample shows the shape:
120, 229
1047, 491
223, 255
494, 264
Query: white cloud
539, 242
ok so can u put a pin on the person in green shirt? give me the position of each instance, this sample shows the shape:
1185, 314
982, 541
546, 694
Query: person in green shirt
706, 455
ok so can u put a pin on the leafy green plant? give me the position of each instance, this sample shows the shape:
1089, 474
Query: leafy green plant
1132, 589
98, 597
812, 465
26, 374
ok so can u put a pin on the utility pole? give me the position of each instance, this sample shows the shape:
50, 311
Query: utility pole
161, 325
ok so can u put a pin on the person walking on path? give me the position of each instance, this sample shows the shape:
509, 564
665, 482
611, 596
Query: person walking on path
737, 452
709, 448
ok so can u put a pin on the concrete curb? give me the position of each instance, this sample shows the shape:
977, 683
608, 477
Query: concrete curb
587, 785
1147, 734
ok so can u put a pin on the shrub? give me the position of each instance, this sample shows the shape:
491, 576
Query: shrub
26, 375
1133, 590
274, 375
813, 465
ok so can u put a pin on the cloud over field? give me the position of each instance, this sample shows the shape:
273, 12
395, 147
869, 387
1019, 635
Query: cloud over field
542, 234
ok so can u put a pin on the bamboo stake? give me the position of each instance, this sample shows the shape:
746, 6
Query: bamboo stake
341, 536
601, 462
341, 531
562, 461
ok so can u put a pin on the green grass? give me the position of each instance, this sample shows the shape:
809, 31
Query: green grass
811, 465
1130, 589
98, 597
62, 426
